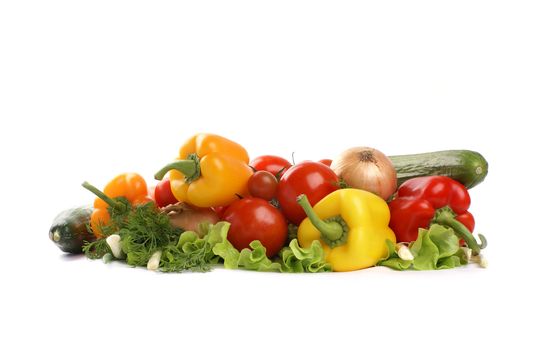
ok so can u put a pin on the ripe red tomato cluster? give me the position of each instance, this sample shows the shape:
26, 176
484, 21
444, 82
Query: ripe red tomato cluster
273, 188
277, 181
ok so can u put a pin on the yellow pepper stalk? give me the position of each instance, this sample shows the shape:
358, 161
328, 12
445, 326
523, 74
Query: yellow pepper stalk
210, 171
352, 226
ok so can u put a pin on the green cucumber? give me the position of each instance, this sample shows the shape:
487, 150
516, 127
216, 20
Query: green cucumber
467, 167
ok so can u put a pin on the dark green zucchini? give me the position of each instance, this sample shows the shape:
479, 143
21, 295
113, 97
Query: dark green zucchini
69, 229
467, 167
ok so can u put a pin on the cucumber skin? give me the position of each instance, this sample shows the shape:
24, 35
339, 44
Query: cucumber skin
468, 167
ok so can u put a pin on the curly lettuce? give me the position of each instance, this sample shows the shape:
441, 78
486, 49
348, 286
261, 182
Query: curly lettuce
435, 249
291, 259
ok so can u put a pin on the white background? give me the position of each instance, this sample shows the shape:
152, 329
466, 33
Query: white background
92, 89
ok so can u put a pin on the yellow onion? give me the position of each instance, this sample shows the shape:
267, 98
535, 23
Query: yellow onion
189, 218
367, 169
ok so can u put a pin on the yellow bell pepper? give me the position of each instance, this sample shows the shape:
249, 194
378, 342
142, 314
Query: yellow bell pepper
352, 226
210, 171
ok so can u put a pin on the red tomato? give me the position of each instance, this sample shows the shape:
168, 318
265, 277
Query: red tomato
313, 179
326, 162
273, 164
255, 218
263, 184
163, 195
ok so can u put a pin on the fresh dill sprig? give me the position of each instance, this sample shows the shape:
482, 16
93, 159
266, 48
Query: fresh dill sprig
96, 249
195, 256
146, 231
118, 216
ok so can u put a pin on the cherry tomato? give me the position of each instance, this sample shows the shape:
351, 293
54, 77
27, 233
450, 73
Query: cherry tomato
273, 164
263, 184
326, 162
163, 195
313, 179
255, 218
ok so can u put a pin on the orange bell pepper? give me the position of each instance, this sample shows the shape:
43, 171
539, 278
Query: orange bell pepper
131, 186
210, 171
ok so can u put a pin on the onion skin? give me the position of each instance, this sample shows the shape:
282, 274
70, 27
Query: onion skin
367, 169
190, 219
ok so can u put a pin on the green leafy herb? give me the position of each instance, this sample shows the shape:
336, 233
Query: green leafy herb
192, 252
435, 249
96, 249
118, 217
144, 232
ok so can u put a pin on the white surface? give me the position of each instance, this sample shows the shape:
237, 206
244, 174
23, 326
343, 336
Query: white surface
91, 90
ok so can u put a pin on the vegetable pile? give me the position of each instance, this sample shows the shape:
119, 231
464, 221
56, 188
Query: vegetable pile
214, 206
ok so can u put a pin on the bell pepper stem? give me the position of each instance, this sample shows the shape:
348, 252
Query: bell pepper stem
332, 232
189, 167
111, 202
446, 216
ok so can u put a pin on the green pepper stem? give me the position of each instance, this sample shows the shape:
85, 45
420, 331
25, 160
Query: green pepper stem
189, 167
332, 231
111, 202
446, 216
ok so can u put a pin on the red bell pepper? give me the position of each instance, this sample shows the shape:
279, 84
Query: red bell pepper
423, 201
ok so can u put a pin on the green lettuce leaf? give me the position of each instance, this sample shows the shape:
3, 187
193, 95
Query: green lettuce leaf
249, 259
292, 258
192, 252
225, 250
297, 259
435, 249
256, 259
445, 240
425, 252
217, 233
393, 260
